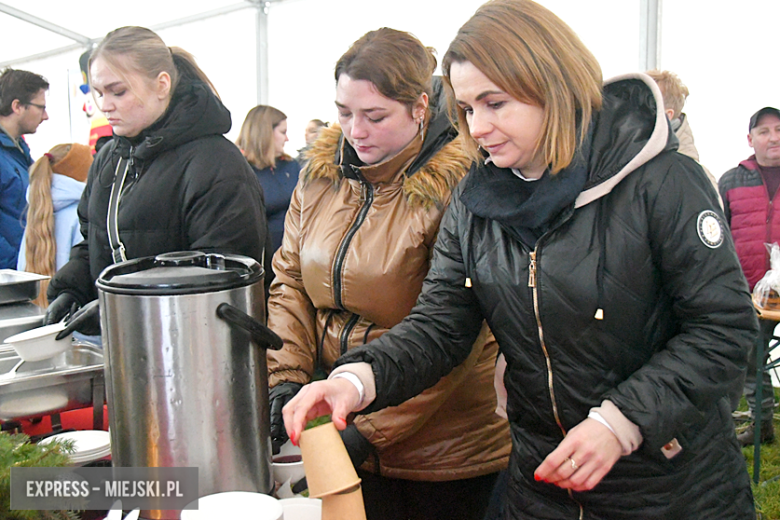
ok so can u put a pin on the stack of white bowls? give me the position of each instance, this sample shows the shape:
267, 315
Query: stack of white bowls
235, 504
88, 445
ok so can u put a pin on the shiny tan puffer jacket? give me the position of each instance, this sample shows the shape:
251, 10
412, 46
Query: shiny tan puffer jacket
351, 265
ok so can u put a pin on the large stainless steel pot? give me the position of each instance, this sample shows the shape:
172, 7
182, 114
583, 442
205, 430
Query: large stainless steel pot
185, 387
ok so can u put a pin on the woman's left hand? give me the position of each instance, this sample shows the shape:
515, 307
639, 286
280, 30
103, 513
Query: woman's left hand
581, 460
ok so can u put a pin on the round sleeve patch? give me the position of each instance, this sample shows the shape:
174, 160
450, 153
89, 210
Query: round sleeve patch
710, 229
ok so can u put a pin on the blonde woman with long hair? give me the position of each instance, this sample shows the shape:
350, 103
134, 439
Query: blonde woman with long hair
57, 181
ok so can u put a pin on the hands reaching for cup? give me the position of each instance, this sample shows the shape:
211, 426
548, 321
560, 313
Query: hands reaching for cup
337, 397
582, 459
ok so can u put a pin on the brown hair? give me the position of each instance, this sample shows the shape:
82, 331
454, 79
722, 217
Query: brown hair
397, 63
533, 56
40, 245
674, 91
142, 51
19, 84
256, 138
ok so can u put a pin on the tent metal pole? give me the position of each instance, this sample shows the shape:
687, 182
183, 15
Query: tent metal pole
202, 16
261, 37
649, 34
27, 17
43, 55
85, 42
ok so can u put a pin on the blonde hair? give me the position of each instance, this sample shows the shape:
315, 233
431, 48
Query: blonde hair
533, 56
672, 88
40, 245
256, 138
140, 50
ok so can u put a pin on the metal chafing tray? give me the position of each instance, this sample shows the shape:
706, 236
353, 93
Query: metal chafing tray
19, 286
73, 379
19, 317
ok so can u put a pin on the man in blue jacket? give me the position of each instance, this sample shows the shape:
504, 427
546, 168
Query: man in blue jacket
22, 109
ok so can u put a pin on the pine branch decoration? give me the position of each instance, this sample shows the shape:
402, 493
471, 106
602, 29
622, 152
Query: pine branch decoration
16, 450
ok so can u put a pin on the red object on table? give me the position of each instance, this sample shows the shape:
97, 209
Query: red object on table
80, 419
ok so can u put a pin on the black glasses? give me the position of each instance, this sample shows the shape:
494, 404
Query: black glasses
42, 107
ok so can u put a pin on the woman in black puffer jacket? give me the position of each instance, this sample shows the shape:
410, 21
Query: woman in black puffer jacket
186, 187
599, 257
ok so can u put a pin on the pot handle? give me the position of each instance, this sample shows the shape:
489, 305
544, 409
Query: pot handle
261, 335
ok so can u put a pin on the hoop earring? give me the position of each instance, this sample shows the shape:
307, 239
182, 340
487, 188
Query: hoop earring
422, 128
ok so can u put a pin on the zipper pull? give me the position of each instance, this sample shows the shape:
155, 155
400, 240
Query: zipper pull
131, 159
532, 269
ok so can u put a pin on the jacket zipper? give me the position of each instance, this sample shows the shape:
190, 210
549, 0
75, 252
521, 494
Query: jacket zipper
769, 216
346, 331
532, 277
366, 198
532, 285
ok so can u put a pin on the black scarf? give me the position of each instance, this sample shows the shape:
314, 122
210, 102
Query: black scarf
524, 208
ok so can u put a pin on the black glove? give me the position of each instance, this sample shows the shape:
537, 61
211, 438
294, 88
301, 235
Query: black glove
358, 446
279, 396
86, 320
62, 305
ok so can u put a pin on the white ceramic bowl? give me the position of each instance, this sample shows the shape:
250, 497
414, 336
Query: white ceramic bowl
288, 464
302, 508
235, 504
37, 344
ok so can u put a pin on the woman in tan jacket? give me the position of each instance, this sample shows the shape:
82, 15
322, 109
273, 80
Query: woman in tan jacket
358, 239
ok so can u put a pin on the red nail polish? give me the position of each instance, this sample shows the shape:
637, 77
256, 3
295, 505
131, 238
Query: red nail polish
537, 477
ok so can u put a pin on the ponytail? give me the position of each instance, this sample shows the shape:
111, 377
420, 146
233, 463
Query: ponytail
188, 67
40, 245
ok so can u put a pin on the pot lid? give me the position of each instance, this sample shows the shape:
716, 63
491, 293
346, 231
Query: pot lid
181, 272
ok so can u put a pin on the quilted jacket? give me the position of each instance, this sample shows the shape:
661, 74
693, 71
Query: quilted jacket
633, 294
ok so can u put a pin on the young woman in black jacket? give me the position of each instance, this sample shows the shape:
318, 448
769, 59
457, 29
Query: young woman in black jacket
185, 186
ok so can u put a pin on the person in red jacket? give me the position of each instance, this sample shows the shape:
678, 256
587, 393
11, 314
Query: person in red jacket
748, 192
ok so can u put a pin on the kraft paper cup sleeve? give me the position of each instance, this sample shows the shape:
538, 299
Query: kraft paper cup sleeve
344, 506
326, 461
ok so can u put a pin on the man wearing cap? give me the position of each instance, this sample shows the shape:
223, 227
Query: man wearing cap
22, 109
749, 192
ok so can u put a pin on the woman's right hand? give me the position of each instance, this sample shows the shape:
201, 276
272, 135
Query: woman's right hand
337, 397
62, 305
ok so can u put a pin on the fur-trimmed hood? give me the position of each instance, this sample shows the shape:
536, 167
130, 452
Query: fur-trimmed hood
428, 179
429, 186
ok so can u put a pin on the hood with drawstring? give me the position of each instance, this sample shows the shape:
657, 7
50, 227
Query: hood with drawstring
626, 290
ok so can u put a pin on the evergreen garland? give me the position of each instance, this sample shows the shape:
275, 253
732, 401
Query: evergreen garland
16, 450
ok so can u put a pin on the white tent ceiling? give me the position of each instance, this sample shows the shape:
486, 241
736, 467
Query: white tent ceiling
24, 34
282, 52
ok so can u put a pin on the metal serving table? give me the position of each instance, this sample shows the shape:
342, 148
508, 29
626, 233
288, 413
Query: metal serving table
71, 380
19, 317
17, 313
760, 368
19, 286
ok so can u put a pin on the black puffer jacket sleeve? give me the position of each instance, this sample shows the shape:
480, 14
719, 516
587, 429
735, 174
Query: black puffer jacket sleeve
438, 334
682, 383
